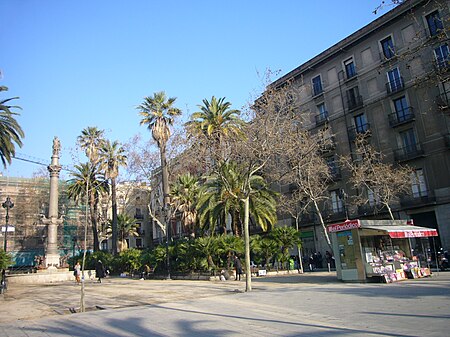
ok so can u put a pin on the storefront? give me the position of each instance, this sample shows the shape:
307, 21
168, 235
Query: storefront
389, 250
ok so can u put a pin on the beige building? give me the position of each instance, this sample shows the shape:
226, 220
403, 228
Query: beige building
391, 78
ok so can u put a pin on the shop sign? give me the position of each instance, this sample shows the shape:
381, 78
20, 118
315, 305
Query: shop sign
344, 226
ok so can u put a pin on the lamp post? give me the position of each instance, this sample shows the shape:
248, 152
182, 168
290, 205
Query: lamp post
8, 204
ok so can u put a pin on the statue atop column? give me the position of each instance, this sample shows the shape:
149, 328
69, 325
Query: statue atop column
52, 258
56, 146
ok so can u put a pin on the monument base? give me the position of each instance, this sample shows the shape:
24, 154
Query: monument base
52, 260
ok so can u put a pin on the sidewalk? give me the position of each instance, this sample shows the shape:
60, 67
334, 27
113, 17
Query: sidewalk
312, 304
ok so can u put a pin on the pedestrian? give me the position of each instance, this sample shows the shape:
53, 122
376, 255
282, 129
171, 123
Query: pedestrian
77, 272
311, 262
328, 259
99, 271
238, 267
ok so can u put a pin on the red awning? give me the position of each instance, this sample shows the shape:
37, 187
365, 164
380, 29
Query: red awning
399, 232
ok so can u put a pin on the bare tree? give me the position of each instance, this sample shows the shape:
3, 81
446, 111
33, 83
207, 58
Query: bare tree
379, 184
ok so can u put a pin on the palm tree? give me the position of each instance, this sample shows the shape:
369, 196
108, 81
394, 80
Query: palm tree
10, 130
126, 226
158, 114
90, 141
111, 157
286, 238
184, 195
221, 197
216, 120
88, 178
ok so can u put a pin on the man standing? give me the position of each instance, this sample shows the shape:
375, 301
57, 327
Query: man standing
238, 267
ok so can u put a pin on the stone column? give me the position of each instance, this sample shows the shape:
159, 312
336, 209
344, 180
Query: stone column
52, 221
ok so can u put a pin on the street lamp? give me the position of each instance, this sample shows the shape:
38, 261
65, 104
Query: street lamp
8, 204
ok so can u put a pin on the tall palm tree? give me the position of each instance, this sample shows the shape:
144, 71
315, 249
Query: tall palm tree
90, 141
10, 130
88, 178
111, 157
216, 120
184, 193
158, 114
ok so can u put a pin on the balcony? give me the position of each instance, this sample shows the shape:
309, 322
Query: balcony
354, 102
139, 216
336, 214
368, 210
401, 117
442, 65
321, 118
358, 130
395, 85
335, 173
409, 152
443, 100
419, 199
328, 144
389, 56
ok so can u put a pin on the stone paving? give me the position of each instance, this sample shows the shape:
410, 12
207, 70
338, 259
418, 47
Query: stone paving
312, 304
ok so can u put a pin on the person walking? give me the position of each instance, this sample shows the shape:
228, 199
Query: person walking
77, 272
238, 267
99, 271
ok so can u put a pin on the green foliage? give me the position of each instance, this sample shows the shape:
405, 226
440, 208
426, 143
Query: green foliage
264, 249
128, 261
5, 259
286, 238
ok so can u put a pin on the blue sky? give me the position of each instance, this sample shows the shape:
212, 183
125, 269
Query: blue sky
85, 63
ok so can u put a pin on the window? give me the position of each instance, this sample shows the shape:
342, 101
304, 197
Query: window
350, 70
372, 197
332, 166
387, 46
354, 100
323, 113
317, 85
418, 184
139, 243
402, 109
434, 23
336, 202
408, 139
441, 54
104, 245
395, 80
361, 125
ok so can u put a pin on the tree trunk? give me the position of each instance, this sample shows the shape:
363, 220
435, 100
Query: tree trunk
114, 216
390, 211
300, 258
93, 209
166, 198
324, 228
248, 273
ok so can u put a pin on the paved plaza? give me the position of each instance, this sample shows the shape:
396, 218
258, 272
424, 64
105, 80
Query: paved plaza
312, 304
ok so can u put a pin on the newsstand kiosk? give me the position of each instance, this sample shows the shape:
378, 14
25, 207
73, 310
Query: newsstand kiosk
385, 250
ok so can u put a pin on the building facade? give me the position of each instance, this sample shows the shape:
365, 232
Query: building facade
391, 80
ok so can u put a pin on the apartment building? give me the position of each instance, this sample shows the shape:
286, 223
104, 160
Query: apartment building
391, 79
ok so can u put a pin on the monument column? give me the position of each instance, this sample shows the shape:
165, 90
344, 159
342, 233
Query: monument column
52, 221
